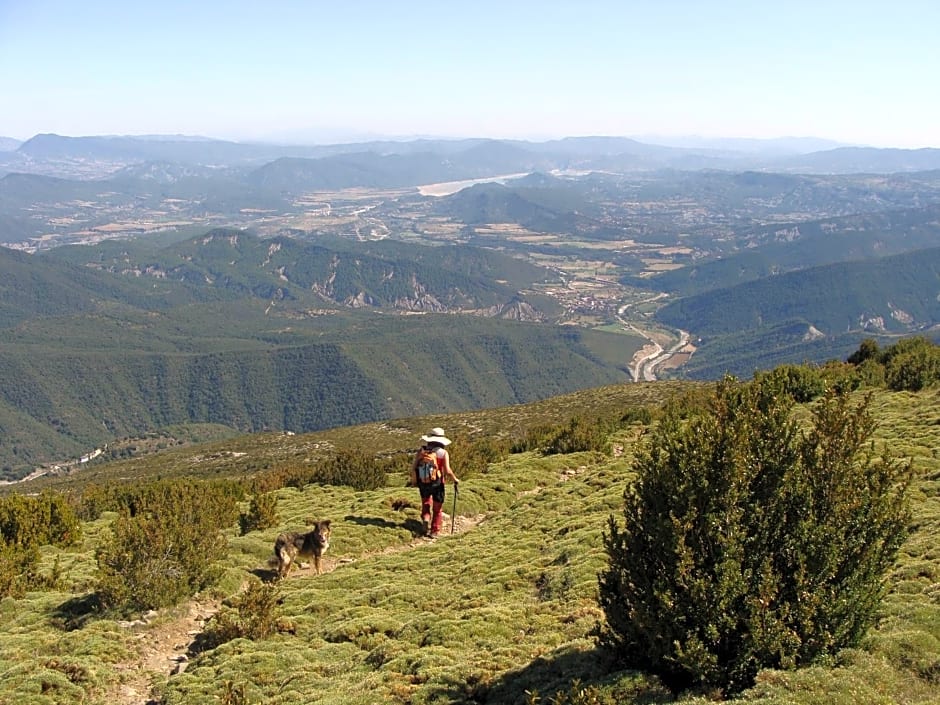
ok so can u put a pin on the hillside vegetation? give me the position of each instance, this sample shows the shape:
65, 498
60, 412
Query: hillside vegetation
881, 295
127, 338
235, 269
770, 250
817, 313
503, 611
59, 401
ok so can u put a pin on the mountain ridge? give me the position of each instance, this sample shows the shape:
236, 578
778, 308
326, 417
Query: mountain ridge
883, 295
620, 152
228, 328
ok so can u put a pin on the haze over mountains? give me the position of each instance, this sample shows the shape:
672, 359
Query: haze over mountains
175, 281
787, 154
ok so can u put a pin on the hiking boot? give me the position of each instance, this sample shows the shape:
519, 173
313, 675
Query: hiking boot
427, 526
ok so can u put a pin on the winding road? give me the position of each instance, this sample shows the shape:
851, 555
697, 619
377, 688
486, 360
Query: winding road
645, 367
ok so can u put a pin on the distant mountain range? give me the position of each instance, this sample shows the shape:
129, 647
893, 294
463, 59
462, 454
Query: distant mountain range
375, 170
780, 146
427, 161
862, 160
343, 307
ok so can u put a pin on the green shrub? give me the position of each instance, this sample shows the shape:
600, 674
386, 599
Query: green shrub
555, 584
282, 475
397, 464
469, 458
37, 521
642, 415
801, 382
535, 438
26, 523
579, 694
351, 467
95, 499
261, 514
19, 568
579, 435
251, 615
867, 350
748, 544
871, 373
912, 364
164, 546
842, 377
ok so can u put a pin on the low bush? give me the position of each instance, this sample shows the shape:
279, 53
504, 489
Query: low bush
261, 514
164, 547
251, 615
911, 364
469, 458
94, 499
19, 569
580, 434
535, 438
36, 521
642, 415
802, 383
26, 523
352, 468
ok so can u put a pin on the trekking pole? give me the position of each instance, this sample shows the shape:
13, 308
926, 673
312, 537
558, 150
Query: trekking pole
453, 513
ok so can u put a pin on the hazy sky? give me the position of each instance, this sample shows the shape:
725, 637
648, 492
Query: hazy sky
855, 71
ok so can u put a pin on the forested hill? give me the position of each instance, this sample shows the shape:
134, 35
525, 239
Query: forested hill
229, 264
784, 247
30, 288
123, 338
894, 294
67, 386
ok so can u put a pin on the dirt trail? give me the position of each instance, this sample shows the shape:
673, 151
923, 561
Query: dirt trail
164, 641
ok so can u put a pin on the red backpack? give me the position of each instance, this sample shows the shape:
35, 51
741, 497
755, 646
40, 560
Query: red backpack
427, 469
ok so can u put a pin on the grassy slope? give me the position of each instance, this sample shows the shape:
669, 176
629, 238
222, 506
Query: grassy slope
478, 617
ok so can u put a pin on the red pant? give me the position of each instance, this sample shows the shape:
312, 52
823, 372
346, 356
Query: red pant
432, 501
432, 509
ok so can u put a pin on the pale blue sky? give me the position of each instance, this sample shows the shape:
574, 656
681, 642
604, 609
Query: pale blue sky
861, 72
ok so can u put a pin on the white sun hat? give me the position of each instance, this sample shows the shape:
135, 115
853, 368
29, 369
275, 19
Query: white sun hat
436, 436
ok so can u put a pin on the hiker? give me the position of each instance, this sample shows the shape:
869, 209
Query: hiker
429, 471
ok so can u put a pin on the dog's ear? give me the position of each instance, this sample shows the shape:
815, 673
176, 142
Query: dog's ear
326, 523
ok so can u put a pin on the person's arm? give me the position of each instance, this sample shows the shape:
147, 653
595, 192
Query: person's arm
413, 477
447, 469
